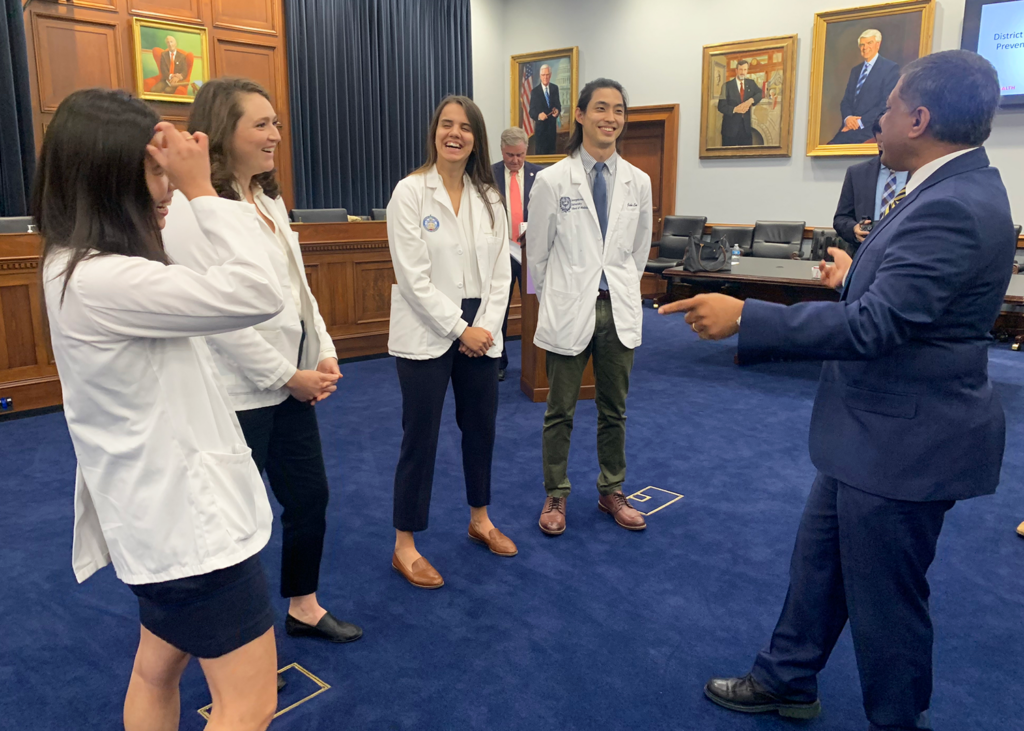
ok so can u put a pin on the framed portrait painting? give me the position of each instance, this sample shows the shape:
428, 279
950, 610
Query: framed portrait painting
746, 103
544, 90
856, 60
171, 60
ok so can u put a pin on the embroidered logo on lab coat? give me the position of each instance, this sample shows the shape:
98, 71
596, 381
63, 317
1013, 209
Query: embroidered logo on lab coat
431, 224
565, 203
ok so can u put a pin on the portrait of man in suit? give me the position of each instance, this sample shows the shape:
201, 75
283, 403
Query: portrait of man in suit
738, 96
545, 108
173, 68
869, 85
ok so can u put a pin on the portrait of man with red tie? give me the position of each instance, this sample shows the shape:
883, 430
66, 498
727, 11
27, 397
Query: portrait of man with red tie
173, 68
738, 96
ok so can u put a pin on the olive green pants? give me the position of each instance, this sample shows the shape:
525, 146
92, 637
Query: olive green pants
613, 362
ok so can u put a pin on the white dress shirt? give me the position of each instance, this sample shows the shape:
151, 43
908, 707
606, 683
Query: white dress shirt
470, 267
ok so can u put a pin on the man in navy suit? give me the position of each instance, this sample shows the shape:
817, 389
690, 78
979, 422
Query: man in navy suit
869, 86
545, 106
867, 189
905, 422
513, 172
738, 96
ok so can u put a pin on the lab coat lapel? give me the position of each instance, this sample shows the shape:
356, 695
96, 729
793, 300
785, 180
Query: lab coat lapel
481, 223
579, 178
623, 181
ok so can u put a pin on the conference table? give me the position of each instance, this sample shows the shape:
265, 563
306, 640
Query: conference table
788, 281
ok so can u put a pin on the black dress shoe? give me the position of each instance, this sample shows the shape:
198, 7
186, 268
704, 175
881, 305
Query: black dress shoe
501, 374
328, 628
281, 682
746, 695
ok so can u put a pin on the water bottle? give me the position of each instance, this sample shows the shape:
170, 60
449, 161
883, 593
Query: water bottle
735, 254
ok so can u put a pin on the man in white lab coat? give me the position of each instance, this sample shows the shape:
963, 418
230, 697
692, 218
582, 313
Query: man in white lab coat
589, 238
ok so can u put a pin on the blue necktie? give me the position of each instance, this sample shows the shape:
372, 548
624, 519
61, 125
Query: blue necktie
863, 75
601, 197
889, 191
547, 97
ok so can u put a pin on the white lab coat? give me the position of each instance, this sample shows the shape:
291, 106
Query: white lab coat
166, 487
426, 301
256, 363
566, 256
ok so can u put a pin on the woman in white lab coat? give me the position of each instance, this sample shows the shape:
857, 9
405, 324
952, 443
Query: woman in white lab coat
275, 372
449, 244
166, 489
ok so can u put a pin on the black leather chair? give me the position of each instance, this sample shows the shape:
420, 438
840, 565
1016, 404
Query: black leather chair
684, 226
671, 251
742, 235
15, 224
379, 214
319, 215
821, 240
779, 240
1018, 230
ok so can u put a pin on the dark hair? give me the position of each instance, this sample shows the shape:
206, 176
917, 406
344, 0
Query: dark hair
576, 139
478, 166
876, 128
216, 111
960, 90
744, 62
90, 193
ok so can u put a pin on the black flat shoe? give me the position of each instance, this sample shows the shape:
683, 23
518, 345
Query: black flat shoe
328, 628
281, 682
746, 695
501, 374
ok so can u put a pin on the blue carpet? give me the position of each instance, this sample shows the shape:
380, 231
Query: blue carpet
597, 629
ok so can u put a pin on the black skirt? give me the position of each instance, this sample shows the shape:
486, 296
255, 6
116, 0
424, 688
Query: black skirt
211, 614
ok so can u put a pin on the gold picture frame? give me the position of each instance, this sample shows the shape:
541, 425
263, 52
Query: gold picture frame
525, 78
836, 57
765, 129
154, 78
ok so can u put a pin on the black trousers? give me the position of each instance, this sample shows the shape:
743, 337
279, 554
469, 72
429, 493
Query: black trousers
424, 384
862, 559
517, 276
285, 441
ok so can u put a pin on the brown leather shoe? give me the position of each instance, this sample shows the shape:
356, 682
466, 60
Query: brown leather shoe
498, 542
552, 517
422, 573
619, 508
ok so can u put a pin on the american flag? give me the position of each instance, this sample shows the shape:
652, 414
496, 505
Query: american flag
524, 98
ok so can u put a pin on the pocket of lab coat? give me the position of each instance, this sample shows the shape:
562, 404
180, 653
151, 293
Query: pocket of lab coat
229, 481
561, 309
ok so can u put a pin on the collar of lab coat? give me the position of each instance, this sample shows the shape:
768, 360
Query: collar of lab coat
623, 178
478, 208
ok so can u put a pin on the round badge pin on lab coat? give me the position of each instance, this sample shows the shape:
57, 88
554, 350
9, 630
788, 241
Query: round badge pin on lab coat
431, 224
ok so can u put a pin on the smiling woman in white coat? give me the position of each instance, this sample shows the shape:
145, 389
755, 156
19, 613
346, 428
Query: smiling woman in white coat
448, 236
275, 372
165, 488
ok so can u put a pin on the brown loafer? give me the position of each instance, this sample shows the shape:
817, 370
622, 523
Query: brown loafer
498, 542
619, 508
552, 517
422, 574
1020, 530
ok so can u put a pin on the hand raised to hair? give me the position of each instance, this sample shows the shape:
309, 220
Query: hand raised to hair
184, 157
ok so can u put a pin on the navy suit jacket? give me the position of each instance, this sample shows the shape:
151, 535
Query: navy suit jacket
905, 408
529, 173
870, 103
857, 201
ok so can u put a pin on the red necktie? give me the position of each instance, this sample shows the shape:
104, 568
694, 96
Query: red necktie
517, 205
741, 89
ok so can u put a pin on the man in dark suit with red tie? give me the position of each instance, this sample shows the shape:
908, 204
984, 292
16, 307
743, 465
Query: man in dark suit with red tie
514, 178
173, 68
906, 421
737, 97
545, 106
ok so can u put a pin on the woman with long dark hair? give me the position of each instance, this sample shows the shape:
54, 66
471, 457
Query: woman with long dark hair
165, 488
276, 373
449, 244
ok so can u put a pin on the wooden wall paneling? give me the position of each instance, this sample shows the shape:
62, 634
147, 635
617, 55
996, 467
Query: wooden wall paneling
72, 54
373, 280
182, 11
253, 16
109, 5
